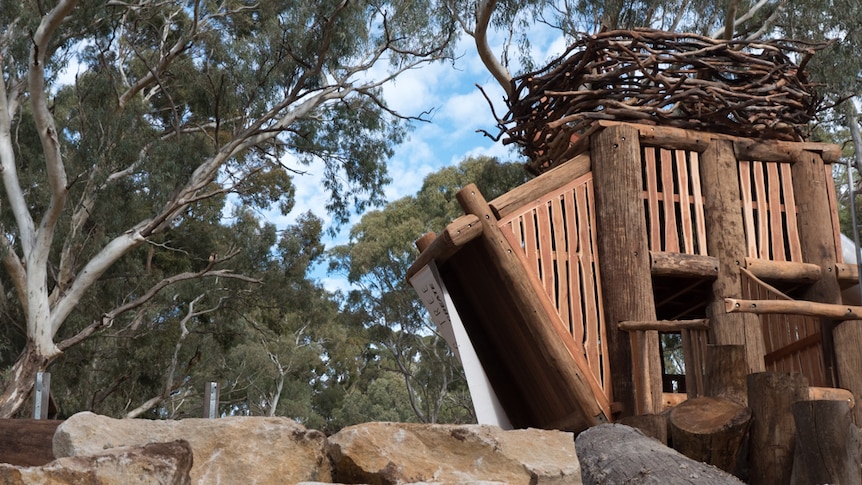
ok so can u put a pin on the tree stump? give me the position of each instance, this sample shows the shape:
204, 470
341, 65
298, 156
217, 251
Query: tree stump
710, 429
615, 453
827, 444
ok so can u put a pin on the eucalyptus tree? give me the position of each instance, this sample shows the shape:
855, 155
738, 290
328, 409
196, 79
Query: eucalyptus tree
376, 259
175, 105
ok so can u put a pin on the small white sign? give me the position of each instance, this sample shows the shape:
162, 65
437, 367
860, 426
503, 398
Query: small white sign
432, 291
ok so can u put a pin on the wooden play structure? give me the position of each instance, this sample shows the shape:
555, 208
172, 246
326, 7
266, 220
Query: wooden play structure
647, 218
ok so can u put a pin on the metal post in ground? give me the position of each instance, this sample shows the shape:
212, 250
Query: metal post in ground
211, 397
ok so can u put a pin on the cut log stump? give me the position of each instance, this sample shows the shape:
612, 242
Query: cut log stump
827, 444
710, 429
615, 453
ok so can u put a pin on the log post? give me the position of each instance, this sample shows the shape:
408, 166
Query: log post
725, 239
848, 341
770, 397
827, 444
625, 267
725, 372
817, 240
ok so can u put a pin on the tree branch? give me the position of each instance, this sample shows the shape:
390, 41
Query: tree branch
500, 73
107, 319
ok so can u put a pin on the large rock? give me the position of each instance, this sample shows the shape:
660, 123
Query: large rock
155, 463
228, 450
400, 453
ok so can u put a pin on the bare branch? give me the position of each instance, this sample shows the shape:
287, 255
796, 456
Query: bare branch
107, 319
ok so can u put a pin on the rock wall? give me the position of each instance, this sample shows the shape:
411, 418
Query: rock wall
255, 450
93, 449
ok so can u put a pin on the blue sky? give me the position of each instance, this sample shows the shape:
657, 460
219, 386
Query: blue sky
459, 110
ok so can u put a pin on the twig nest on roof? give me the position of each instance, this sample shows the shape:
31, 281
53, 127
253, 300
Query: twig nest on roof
751, 89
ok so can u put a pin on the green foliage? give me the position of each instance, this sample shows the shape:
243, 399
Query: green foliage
178, 108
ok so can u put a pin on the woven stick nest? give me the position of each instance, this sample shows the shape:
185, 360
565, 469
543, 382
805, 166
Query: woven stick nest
749, 89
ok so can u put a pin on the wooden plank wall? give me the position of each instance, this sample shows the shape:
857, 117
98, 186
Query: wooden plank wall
555, 232
769, 211
674, 201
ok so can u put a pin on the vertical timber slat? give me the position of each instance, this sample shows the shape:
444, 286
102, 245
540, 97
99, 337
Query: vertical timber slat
790, 214
698, 203
626, 271
671, 236
652, 200
747, 208
684, 203
775, 223
833, 209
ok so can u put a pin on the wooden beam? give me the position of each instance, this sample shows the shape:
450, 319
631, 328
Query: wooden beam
794, 307
664, 325
27, 442
458, 233
745, 148
847, 274
783, 270
683, 265
540, 186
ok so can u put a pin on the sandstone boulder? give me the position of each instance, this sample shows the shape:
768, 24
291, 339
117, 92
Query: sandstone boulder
155, 463
230, 450
402, 453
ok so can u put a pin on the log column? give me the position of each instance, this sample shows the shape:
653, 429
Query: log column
725, 239
827, 444
816, 236
773, 430
624, 262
